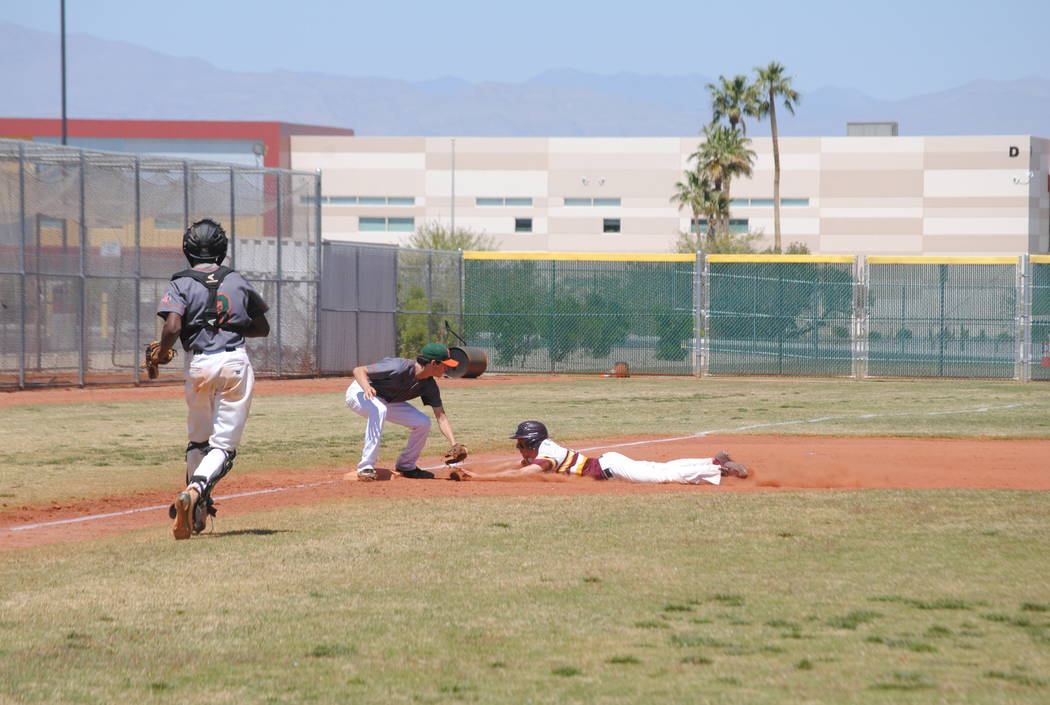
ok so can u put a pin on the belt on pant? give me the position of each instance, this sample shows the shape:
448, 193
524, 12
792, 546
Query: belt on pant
212, 352
606, 472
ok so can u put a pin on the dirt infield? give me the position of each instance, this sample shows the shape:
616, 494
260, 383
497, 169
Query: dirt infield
778, 463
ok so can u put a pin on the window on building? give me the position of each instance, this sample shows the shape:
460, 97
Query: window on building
592, 201
371, 224
523, 225
610, 225
768, 202
490, 201
737, 226
362, 200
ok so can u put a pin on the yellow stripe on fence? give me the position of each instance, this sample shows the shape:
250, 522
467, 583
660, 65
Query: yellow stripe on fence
850, 259
579, 256
923, 259
1039, 259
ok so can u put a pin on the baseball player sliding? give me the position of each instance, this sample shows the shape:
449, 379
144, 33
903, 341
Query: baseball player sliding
211, 309
539, 454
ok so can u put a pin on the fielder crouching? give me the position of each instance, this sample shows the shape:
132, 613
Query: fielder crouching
540, 454
211, 309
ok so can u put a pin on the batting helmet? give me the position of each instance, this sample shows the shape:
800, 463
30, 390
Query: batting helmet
204, 241
532, 432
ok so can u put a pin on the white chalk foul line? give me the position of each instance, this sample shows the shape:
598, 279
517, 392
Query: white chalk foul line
698, 434
107, 515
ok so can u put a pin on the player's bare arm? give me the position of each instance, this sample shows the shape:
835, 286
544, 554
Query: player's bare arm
444, 424
519, 473
258, 327
360, 374
169, 333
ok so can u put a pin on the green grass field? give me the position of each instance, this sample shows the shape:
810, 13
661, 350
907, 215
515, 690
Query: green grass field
869, 596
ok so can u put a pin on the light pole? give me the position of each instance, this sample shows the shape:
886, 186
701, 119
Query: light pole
62, 11
452, 231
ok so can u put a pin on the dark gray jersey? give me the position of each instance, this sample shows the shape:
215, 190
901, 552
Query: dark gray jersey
237, 302
394, 379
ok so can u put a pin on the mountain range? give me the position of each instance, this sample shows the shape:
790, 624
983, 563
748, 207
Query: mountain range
118, 80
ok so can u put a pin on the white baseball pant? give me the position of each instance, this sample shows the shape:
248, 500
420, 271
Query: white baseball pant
689, 471
378, 412
219, 395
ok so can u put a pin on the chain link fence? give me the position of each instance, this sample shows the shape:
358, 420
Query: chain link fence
789, 315
1039, 330
542, 313
90, 240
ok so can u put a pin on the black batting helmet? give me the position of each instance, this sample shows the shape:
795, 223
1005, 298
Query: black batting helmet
204, 241
532, 432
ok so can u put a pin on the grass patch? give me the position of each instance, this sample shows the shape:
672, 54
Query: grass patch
1016, 678
282, 600
853, 619
903, 681
907, 644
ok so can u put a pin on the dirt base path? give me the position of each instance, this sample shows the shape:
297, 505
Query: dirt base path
778, 463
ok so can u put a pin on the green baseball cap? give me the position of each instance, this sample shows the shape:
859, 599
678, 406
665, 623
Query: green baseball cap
436, 352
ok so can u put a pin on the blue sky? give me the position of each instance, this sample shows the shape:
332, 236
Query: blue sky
888, 49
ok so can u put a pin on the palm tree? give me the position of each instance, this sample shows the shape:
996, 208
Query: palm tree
732, 99
773, 82
691, 194
723, 156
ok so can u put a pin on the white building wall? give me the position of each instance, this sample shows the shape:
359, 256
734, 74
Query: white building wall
865, 195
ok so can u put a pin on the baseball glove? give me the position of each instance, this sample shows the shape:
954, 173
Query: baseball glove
155, 358
455, 454
459, 475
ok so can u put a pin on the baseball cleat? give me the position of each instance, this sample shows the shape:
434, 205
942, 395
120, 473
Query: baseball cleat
722, 458
201, 512
184, 505
417, 474
366, 475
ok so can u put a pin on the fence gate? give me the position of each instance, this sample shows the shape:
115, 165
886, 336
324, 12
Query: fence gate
358, 305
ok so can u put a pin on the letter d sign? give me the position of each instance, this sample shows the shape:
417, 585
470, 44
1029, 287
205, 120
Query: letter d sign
1014, 151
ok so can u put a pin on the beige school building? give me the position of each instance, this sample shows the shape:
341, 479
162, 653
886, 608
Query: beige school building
967, 195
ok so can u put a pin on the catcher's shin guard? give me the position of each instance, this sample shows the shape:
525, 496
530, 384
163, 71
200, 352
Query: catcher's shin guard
195, 452
205, 506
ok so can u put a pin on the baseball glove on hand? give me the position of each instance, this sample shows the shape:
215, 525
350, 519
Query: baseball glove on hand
455, 454
155, 358
460, 475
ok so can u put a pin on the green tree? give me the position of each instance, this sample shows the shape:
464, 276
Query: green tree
723, 156
776, 87
432, 235
732, 99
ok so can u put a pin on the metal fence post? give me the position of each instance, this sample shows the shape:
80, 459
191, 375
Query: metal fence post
1024, 300
233, 218
698, 312
319, 244
83, 271
23, 313
860, 317
138, 265
704, 341
280, 233
185, 193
